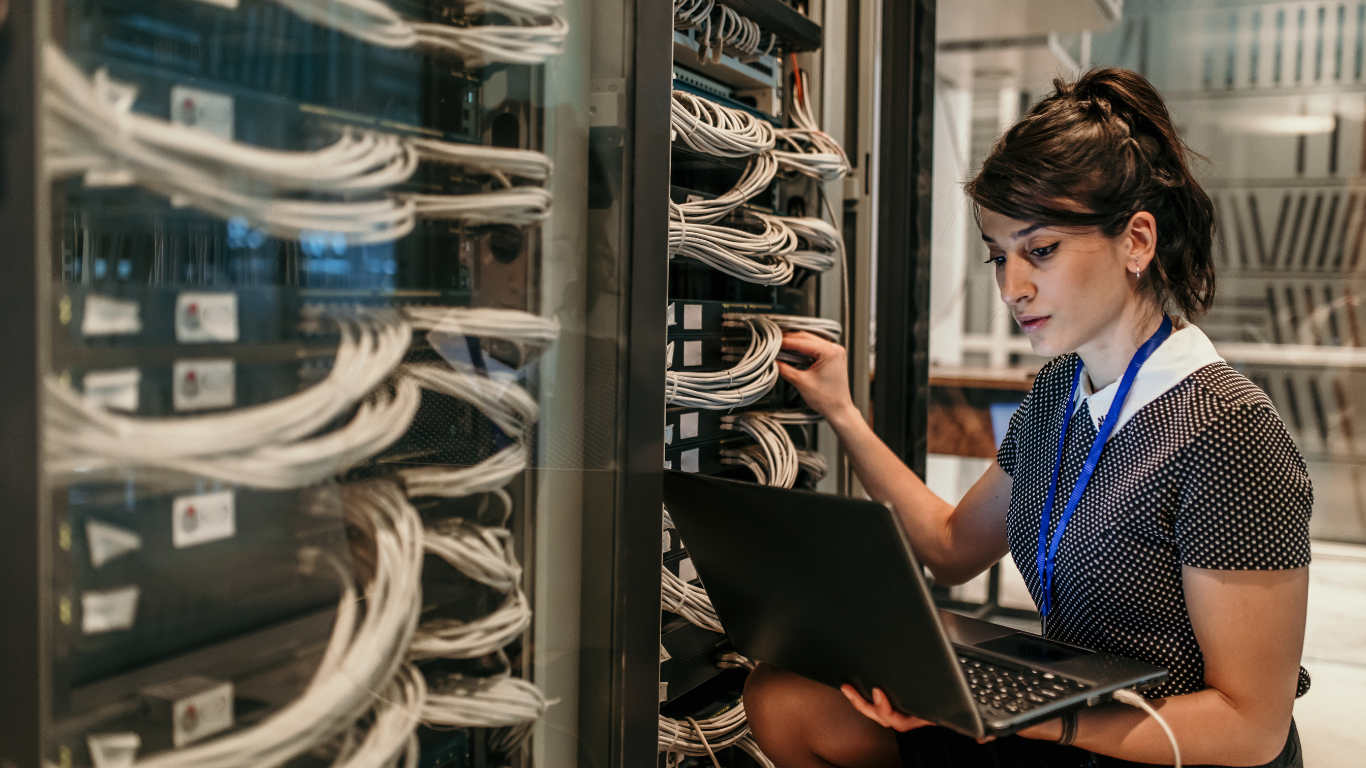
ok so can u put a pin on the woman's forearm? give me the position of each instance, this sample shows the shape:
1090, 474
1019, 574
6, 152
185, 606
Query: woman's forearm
1208, 728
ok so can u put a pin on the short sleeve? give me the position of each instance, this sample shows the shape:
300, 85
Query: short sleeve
1008, 454
1246, 499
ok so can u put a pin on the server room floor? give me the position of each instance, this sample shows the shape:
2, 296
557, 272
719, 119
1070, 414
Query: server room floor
1334, 643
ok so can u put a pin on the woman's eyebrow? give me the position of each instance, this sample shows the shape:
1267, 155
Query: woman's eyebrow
1014, 235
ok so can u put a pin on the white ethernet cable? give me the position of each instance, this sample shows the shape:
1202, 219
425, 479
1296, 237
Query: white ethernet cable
750, 457
751, 748
703, 737
372, 345
756, 258
528, 332
828, 329
709, 127
517, 206
825, 246
478, 552
759, 173
813, 463
497, 161
744, 384
690, 602
811, 151
1126, 696
360, 660
391, 735
453, 639
528, 41
492, 703
777, 452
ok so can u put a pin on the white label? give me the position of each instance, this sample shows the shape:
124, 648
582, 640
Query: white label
692, 353
687, 425
202, 714
206, 317
204, 518
112, 390
668, 434
202, 110
688, 460
110, 317
692, 317
202, 384
666, 542
108, 610
113, 750
107, 542
668, 464
695, 198
663, 692
672, 321
686, 570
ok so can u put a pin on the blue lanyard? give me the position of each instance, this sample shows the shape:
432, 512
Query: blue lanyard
1047, 558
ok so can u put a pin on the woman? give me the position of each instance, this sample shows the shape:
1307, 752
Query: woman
1186, 547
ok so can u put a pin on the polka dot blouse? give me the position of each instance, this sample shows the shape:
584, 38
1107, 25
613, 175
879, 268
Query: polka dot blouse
1205, 475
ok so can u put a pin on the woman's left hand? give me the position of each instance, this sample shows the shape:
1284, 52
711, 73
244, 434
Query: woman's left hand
880, 711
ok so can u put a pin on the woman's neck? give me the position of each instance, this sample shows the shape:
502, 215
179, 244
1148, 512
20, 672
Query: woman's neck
1107, 354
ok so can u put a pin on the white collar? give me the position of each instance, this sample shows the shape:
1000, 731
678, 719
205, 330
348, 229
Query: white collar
1183, 353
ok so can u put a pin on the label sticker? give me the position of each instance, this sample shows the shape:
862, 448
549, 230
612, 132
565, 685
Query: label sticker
113, 750
694, 198
110, 317
688, 461
107, 542
202, 110
203, 714
112, 390
692, 317
203, 518
687, 425
686, 570
692, 353
668, 464
109, 610
205, 317
667, 542
672, 321
663, 692
202, 384
668, 434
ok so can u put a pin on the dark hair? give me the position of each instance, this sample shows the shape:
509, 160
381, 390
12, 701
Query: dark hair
1092, 154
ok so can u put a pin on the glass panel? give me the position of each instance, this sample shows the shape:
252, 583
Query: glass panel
313, 425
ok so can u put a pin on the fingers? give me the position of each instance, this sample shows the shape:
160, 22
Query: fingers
806, 343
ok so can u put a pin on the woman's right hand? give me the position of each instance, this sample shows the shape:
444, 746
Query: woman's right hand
825, 384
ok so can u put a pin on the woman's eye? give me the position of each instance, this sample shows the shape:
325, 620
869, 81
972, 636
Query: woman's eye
996, 259
1044, 251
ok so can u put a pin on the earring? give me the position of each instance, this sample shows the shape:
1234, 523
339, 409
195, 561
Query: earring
1136, 272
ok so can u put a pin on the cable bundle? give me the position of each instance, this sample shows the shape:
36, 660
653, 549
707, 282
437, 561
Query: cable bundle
755, 258
527, 40
825, 245
828, 329
810, 151
498, 162
744, 384
702, 737
722, 31
759, 173
523, 329
487, 703
708, 127
361, 661
453, 639
516, 206
478, 552
773, 452
690, 602
85, 437
391, 735
813, 464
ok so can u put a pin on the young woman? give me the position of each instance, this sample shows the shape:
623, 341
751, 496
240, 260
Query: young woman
1187, 545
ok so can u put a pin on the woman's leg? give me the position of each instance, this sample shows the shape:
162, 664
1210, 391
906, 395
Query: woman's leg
800, 723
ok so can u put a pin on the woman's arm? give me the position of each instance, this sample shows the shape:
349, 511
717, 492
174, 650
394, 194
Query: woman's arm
956, 543
1250, 626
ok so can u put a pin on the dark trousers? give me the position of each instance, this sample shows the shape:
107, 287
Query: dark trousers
942, 748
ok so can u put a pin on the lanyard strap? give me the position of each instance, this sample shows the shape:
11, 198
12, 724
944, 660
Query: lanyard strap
1048, 550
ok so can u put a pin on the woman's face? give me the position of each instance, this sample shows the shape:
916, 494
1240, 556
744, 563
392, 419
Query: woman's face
1067, 286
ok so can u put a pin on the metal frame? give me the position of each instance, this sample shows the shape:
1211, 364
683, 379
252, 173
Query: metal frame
905, 161
25, 561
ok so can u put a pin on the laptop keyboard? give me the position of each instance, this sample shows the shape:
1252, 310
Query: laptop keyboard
1013, 691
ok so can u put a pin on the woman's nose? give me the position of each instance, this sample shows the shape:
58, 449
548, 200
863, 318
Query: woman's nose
1014, 281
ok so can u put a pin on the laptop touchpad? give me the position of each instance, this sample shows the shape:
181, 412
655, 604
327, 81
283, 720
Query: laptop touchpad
1032, 648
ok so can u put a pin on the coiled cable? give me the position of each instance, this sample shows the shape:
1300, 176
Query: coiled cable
708, 127
744, 384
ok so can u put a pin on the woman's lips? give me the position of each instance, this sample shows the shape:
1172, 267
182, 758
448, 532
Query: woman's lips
1032, 323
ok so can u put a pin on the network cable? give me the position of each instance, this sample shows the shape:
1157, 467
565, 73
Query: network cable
486, 703
777, 453
516, 206
810, 151
529, 40
391, 733
827, 329
756, 258
813, 464
362, 657
711, 128
478, 552
758, 174
703, 737
744, 384
689, 601
824, 245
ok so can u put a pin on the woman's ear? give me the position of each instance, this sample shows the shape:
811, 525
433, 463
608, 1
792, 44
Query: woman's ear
1141, 240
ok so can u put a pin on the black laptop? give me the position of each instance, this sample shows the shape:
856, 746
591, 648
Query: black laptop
827, 587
